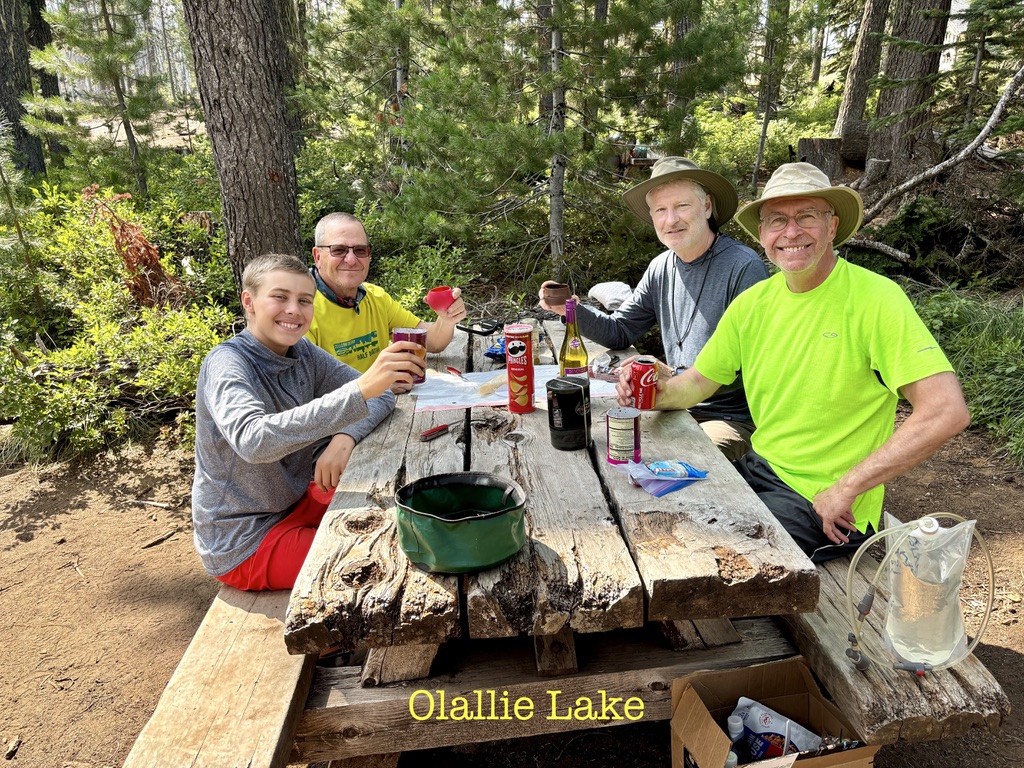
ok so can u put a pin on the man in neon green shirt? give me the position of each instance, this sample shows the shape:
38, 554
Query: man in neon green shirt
353, 319
826, 348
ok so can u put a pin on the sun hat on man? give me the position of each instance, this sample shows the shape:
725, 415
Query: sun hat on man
806, 180
668, 169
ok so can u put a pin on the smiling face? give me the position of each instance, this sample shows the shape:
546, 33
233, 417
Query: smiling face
280, 310
342, 274
803, 253
680, 211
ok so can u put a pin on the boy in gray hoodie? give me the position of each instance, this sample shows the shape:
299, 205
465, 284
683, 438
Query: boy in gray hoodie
266, 400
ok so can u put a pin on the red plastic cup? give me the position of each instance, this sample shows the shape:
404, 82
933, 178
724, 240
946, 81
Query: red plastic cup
419, 335
440, 298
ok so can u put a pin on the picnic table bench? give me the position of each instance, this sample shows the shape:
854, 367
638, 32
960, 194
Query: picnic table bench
605, 564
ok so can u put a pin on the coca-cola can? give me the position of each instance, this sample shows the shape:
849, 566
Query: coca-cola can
519, 365
644, 376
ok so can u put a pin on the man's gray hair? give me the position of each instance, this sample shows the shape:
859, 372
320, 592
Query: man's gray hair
702, 194
337, 217
257, 270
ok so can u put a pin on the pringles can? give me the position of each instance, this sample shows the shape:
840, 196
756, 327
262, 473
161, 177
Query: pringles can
623, 432
519, 366
644, 376
569, 412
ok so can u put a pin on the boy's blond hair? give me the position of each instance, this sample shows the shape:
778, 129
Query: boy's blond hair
257, 270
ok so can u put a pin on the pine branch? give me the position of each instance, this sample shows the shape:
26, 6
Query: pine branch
966, 152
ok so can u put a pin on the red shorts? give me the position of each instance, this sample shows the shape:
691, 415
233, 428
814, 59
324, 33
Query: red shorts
279, 558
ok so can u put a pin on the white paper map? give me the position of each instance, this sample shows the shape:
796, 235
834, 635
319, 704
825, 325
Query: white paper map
442, 391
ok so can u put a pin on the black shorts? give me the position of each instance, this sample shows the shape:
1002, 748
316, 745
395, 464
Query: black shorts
796, 513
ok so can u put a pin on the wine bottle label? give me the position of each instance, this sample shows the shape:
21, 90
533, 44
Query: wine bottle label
576, 371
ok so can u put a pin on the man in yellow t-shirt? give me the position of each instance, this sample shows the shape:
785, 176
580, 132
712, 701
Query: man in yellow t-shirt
353, 319
826, 348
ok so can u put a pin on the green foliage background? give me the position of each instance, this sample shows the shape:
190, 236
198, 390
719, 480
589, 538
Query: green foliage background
451, 177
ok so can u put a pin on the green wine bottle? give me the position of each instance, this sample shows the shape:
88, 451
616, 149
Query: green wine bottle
572, 360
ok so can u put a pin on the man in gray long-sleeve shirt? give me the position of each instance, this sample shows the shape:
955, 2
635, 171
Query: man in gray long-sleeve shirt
686, 289
265, 400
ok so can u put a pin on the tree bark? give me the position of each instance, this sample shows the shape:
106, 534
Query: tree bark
167, 51
15, 82
863, 66
775, 45
907, 142
240, 65
545, 100
39, 35
122, 107
679, 103
598, 47
556, 221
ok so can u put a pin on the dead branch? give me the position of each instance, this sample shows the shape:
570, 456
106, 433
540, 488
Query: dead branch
874, 245
966, 152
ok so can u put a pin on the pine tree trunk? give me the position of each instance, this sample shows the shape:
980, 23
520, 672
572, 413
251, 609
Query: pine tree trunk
597, 49
15, 83
556, 221
167, 51
545, 101
122, 107
239, 52
863, 67
679, 102
818, 49
39, 35
775, 44
907, 143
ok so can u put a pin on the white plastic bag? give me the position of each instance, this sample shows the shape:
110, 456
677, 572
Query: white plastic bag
769, 734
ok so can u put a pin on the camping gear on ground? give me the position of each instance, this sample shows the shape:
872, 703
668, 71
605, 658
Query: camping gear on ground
461, 522
924, 564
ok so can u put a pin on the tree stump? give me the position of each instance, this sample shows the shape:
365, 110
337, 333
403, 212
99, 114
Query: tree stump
823, 153
854, 149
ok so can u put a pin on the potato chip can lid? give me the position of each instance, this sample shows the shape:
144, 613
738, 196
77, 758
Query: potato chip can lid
623, 412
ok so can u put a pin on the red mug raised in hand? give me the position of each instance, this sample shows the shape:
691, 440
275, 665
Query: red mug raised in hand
440, 298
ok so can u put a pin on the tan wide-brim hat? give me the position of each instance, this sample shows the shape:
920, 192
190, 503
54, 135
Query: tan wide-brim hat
806, 180
723, 197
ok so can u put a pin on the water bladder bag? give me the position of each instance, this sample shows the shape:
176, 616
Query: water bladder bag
461, 522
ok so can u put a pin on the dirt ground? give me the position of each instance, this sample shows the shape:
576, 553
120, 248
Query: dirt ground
101, 591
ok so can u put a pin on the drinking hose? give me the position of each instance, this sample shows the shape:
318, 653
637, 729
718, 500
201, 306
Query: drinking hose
861, 656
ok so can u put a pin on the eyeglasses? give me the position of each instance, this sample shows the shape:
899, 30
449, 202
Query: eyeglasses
341, 251
808, 219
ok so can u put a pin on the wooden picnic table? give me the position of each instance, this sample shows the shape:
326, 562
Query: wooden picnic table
603, 558
602, 554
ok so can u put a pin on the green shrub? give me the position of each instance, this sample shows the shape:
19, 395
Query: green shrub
983, 336
119, 379
408, 277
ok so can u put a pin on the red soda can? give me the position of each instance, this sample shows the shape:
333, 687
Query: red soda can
644, 376
519, 365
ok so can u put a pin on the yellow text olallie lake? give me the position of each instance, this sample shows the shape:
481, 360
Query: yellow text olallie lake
487, 705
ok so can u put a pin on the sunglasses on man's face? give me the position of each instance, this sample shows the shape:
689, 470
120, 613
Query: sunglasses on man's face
341, 251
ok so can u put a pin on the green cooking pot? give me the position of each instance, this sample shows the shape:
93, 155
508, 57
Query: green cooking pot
461, 522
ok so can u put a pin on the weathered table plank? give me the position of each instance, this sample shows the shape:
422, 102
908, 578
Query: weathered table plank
710, 550
575, 571
884, 704
344, 720
357, 587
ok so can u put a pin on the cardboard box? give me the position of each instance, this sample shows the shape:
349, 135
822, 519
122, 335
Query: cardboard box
702, 702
